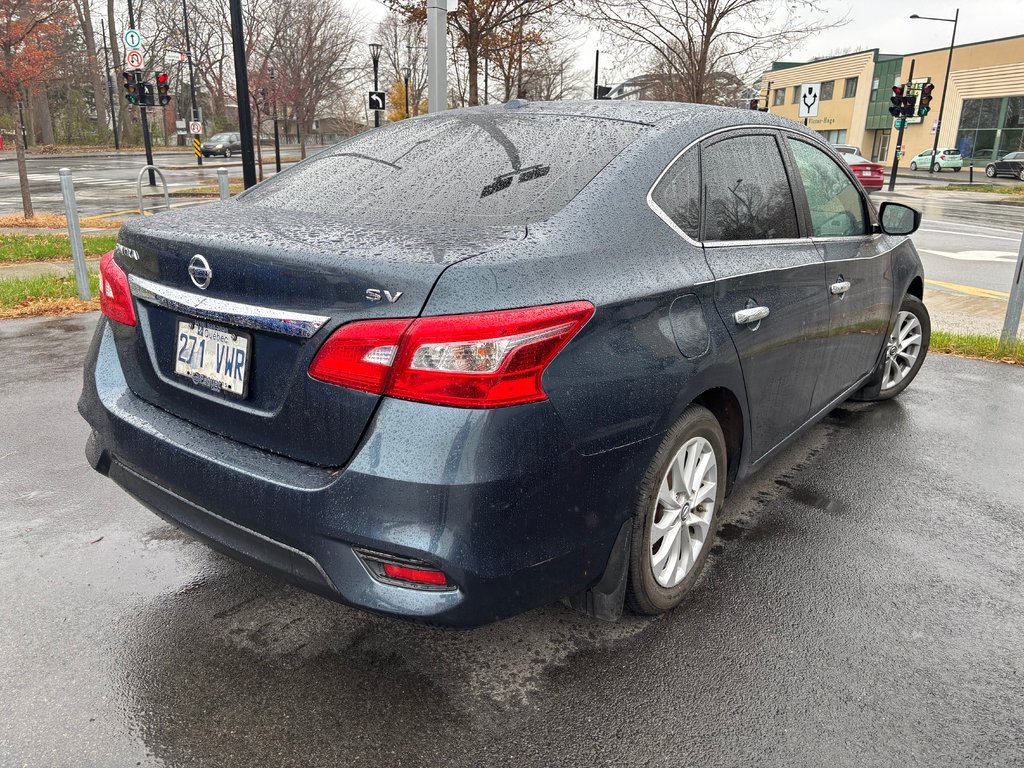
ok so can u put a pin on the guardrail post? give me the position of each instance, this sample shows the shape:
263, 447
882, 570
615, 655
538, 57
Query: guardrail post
1016, 302
67, 188
222, 183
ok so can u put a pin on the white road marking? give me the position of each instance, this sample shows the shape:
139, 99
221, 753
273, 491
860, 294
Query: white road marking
1000, 256
973, 234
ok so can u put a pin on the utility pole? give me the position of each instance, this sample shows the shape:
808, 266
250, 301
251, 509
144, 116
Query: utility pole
242, 89
597, 66
110, 83
191, 73
437, 53
277, 136
19, 146
899, 137
142, 107
407, 92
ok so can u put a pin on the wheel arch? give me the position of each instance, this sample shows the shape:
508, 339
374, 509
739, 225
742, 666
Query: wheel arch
725, 407
916, 287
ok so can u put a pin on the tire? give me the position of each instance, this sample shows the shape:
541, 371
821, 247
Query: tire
699, 433
913, 306
913, 166
990, 171
937, 168
1021, 174
958, 169
227, 154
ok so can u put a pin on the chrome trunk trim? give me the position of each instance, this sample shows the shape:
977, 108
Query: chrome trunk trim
234, 313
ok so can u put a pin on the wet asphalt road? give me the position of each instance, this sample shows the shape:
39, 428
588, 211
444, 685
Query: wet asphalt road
864, 607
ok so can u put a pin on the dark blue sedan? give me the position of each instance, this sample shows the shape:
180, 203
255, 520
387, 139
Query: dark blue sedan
476, 362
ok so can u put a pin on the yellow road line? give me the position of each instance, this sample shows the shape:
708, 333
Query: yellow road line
970, 290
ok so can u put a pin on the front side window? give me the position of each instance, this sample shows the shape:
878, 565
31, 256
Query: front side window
779, 98
850, 88
746, 191
827, 88
837, 208
678, 194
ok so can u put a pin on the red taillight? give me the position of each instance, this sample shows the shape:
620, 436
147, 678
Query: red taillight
416, 575
482, 360
115, 296
359, 355
942, 157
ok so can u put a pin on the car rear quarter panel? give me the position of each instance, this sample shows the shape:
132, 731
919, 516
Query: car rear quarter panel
624, 379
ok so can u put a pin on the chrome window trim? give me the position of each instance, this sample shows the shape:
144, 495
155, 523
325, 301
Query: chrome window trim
251, 316
720, 243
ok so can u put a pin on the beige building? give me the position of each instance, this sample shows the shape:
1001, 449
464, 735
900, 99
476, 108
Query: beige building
984, 110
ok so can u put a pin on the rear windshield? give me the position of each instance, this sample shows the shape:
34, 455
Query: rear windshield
951, 151
473, 168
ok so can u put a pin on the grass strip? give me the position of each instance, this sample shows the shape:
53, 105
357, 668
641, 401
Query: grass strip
999, 189
15, 249
45, 295
976, 346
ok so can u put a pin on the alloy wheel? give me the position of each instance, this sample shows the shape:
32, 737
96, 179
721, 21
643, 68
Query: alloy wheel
903, 349
684, 509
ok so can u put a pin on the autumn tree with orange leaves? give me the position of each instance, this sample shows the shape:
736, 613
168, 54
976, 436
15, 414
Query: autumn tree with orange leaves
28, 34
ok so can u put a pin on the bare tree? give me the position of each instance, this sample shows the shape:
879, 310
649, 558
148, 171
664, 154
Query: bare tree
699, 44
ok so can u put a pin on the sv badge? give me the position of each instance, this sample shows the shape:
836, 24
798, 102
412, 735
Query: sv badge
376, 294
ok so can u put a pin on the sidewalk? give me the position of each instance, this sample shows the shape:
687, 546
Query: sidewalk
957, 312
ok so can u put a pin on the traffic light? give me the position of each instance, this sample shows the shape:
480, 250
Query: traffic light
146, 98
163, 84
131, 88
896, 110
924, 106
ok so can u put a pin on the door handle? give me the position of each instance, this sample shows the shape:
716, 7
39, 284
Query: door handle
838, 289
750, 315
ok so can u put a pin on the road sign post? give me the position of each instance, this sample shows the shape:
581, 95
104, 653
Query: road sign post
810, 96
1011, 324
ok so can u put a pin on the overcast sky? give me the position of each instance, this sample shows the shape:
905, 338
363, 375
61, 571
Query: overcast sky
883, 24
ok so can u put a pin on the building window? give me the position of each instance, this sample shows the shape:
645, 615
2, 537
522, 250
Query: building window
826, 90
833, 137
780, 97
990, 128
874, 90
796, 94
850, 88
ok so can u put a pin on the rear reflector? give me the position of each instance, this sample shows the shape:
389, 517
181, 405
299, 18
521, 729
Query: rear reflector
481, 360
416, 575
115, 296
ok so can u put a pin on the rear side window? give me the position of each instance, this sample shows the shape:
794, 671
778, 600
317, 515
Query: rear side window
837, 208
746, 191
461, 168
678, 194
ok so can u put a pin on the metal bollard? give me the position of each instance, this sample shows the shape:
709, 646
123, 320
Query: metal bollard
1016, 302
971, 179
67, 188
222, 183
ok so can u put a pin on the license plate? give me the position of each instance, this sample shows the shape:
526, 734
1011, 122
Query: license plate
213, 357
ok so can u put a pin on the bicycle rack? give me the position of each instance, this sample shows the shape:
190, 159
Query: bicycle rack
138, 188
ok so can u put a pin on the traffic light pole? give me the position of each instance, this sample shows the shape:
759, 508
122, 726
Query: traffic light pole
242, 89
142, 108
899, 138
191, 73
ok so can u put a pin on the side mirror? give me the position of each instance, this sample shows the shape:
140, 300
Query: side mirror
898, 219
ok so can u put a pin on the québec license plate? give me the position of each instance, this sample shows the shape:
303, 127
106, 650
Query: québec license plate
213, 357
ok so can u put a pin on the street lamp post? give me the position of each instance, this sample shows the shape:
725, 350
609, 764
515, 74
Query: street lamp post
375, 55
945, 82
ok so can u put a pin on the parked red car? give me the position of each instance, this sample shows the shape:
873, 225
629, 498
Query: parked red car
869, 174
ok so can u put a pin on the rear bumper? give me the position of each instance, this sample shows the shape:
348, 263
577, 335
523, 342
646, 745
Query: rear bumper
498, 500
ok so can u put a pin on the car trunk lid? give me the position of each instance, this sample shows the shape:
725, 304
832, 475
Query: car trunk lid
281, 282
